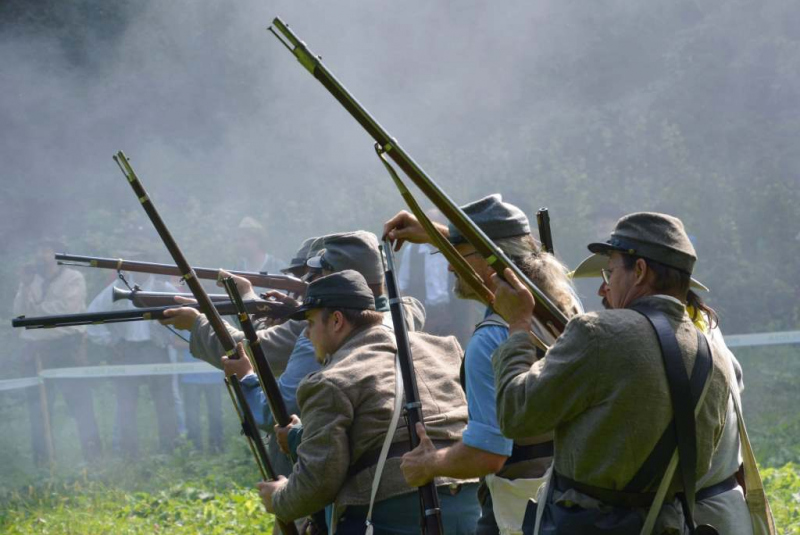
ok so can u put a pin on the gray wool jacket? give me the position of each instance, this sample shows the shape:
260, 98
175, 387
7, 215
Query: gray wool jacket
603, 390
277, 341
347, 407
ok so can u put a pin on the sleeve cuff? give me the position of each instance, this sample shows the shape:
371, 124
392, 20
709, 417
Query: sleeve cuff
487, 438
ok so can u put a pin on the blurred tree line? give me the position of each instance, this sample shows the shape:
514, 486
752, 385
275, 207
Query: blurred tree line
684, 107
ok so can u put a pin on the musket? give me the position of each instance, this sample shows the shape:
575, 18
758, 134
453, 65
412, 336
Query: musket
260, 307
262, 280
143, 299
431, 514
546, 311
215, 319
545, 235
260, 363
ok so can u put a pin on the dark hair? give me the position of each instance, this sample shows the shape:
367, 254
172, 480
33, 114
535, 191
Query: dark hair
356, 317
695, 301
668, 279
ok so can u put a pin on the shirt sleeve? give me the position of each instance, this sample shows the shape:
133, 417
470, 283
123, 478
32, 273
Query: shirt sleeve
323, 455
257, 400
533, 397
483, 430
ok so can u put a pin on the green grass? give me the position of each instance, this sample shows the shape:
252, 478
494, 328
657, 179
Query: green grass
182, 493
188, 492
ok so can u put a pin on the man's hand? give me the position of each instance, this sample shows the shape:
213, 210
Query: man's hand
181, 318
513, 301
244, 286
418, 464
404, 227
275, 295
240, 366
267, 488
282, 433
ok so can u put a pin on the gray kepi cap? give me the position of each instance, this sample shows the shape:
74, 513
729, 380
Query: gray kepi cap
300, 256
651, 235
591, 266
344, 289
357, 250
497, 219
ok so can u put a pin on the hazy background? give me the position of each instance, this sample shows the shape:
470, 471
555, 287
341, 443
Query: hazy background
594, 109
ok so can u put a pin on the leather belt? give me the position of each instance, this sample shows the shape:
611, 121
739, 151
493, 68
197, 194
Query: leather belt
397, 449
723, 486
621, 498
530, 452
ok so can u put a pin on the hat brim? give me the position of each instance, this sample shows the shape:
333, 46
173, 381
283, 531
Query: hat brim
590, 268
300, 312
604, 248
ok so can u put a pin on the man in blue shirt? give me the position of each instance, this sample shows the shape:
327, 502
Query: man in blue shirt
483, 450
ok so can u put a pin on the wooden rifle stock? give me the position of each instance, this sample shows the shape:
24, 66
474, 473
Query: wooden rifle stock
212, 315
262, 280
546, 311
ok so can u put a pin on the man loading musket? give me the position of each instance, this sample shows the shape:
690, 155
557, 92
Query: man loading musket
603, 390
347, 407
511, 468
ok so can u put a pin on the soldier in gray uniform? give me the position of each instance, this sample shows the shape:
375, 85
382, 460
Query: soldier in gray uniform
602, 386
347, 408
720, 499
511, 468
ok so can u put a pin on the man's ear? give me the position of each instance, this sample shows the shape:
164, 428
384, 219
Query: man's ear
640, 270
338, 320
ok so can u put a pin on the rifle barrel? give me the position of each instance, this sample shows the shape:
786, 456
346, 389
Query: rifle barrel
262, 280
545, 309
429, 499
265, 308
266, 377
213, 317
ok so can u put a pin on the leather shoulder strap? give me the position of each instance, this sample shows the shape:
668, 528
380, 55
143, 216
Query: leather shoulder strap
680, 394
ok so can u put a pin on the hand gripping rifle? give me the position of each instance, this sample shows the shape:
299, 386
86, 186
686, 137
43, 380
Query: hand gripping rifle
263, 370
431, 518
546, 311
262, 280
207, 307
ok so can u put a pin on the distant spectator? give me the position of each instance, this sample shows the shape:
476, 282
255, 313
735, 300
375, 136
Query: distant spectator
47, 289
251, 240
137, 342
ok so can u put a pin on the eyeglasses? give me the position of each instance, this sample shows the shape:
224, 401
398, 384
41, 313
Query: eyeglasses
606, 274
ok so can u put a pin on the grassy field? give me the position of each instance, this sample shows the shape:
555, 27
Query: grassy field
188, 492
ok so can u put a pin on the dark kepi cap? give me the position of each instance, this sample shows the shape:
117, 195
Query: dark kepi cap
590, 268
497, 219
651, 235
300, 256
357, 250
345, 289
